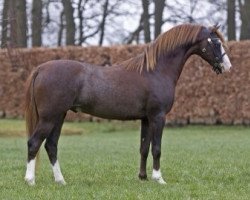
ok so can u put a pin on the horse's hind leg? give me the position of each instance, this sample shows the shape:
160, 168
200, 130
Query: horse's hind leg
51, 148
41, 131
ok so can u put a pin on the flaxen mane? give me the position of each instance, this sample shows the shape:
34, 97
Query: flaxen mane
166, 42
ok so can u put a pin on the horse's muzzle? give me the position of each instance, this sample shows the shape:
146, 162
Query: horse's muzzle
225, 68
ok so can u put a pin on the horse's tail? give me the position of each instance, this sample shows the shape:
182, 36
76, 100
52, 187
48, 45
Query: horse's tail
31, 114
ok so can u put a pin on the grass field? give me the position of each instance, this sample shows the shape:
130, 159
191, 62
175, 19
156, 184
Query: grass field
101, 161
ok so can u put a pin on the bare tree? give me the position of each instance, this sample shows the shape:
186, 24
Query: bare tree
95, 16
21, 21
80, 9
158, 14
70, 24
37, 7
102, 25
61, 28
89, 24
146, 24
183, 13
12, 41
5, 23
15, 23
134, 36
245, 19
231, 30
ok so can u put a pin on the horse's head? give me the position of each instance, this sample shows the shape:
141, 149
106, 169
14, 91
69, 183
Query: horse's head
211, 49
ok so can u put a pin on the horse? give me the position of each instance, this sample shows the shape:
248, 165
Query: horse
141, 88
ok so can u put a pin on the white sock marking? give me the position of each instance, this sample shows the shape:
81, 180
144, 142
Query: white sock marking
30, 172
156, 175
57, 173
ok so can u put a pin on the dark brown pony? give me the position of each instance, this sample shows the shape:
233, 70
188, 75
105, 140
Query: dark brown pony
140, 88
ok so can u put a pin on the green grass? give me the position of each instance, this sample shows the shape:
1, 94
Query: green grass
101, 161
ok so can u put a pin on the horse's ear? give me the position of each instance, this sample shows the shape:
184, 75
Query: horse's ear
216, 26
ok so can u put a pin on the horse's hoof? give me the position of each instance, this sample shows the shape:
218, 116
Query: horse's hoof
30, 181
156, 176
143, 177
61, 182
159, 180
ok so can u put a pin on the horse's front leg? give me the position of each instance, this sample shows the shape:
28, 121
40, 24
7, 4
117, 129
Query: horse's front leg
156, 125
144, 148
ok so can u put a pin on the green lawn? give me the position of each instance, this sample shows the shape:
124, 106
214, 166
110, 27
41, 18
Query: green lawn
101, 161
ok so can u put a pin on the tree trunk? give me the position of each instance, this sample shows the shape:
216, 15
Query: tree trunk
102, 25
13, 24
231, 30
5, 24
61, 28
21, 20
159, 7
37, 23
245, 19
70, 24
146, 24
80, 17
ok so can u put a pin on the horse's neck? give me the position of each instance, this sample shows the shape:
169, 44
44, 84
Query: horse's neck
172, 63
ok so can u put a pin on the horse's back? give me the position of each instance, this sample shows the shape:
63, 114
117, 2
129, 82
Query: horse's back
63, 66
